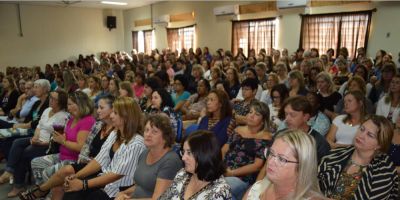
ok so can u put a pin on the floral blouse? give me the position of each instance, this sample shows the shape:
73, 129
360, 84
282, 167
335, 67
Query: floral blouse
243, 151
216, 190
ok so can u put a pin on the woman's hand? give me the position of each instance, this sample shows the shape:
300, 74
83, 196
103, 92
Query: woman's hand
35, 141
58, 137
122, 196
229, 172
72, 184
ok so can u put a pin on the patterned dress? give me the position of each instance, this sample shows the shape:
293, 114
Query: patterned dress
243, 151
215, 190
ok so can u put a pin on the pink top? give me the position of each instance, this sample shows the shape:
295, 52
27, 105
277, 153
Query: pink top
84, 124
138, 90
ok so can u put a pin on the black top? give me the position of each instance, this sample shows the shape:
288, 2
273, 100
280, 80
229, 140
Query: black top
329, 102
36, 112
95, 146
9, 102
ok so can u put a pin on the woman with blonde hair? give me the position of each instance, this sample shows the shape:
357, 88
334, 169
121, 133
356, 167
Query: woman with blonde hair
282, 72
291, 168
363, 170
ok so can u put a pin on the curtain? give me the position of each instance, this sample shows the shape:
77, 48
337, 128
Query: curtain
320, 32
253, 34
326, 31
179, 38
148, 39
135, 40
354, 32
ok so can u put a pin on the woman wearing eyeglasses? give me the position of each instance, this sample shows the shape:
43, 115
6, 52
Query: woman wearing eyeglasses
364, 170
202, 177
291, 168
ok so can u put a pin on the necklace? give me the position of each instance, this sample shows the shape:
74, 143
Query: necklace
354, 163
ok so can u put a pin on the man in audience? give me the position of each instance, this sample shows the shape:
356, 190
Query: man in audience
297, 113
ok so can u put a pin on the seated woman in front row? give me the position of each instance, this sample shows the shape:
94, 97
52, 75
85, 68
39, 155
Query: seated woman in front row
97, 136
291, 168
117, 159
243, 153
202, 178
158, 165
363, 170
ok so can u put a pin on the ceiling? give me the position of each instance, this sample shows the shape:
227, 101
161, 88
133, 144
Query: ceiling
87, 3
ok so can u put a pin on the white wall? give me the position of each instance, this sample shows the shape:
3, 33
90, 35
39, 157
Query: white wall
215, 32
52, 34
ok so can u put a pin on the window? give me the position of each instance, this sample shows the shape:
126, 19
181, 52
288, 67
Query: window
179, 38
326, 31
253, 34
142, 41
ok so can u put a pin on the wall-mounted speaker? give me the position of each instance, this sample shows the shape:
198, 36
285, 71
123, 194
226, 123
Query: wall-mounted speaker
111, 22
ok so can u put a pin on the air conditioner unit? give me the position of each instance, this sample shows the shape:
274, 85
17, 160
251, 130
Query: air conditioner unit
226, 10
283, 4
163, 19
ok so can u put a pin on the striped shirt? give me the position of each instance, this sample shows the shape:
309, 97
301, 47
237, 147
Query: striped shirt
123, 163
378, 182
85, 151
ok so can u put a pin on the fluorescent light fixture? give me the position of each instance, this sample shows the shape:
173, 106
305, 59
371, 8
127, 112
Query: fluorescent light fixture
114, 3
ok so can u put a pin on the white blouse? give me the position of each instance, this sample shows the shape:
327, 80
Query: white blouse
46, 123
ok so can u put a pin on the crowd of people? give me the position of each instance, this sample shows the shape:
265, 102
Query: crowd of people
202, 125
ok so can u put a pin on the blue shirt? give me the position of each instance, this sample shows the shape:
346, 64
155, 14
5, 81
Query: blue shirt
27, 106
184, 96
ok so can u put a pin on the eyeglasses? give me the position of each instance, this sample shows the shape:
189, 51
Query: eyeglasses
280, 161
187, 152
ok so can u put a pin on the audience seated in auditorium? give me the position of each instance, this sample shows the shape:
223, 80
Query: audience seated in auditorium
97, 136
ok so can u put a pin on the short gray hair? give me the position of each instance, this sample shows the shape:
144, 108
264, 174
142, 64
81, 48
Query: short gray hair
44, 83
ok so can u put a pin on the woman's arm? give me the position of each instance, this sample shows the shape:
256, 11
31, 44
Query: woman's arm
161, 187
247, 169
224, 149
179, 106
262, 172
22, 125
103, 180
73, 184
92, 167
331, 136
125, 194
